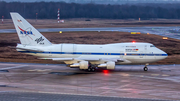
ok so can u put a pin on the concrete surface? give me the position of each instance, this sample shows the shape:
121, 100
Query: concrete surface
160, 82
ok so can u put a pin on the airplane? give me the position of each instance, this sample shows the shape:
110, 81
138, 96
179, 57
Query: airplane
84, 56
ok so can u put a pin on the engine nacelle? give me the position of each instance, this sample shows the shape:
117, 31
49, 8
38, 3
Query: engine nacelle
74, 65
81, 65
108, 65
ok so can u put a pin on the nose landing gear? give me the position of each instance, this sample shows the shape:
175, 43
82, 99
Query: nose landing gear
145, 68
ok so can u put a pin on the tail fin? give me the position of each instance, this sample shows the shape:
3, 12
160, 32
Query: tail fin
28, 35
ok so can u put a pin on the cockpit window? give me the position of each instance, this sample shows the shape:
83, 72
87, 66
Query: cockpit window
152, 46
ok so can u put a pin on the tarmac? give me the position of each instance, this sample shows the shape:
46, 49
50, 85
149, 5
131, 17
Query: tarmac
26, 82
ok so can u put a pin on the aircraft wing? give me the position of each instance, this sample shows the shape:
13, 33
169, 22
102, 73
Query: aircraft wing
87, 59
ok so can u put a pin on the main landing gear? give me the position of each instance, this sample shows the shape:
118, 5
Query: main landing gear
145, 68
91, 68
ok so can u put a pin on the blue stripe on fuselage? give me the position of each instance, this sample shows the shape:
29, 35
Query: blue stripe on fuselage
86, 53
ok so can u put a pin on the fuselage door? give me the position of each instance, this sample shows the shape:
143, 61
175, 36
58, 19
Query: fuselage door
143, 52
67, 50
121, 54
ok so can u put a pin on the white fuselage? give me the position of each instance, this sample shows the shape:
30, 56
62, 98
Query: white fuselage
131, 52
85, 56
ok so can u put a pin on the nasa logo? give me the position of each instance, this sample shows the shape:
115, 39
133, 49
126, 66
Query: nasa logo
25, 32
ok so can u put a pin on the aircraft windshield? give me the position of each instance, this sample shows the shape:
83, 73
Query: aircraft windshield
152, 46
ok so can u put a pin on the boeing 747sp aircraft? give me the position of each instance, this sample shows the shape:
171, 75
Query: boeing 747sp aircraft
84, 56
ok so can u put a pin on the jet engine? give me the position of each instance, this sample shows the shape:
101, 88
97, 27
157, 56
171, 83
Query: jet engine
81, 65
108, 65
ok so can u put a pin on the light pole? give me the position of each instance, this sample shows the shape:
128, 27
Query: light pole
58, 15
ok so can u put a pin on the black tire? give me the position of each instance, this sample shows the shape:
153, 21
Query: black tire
89, 69
145, 69
93, 69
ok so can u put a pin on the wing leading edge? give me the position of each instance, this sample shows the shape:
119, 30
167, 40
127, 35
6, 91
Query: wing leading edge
87, 59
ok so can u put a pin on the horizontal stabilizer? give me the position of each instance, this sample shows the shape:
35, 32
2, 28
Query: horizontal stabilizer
25, 49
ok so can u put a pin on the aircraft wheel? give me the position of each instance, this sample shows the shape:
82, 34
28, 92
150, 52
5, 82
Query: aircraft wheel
93, 69
145, 69
89, 69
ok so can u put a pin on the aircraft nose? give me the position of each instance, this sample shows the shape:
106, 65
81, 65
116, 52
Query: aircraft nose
162, 54
165, 55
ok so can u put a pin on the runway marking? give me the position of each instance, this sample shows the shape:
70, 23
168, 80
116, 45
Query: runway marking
142, 76
7, 91
165, 75
13, 67
155, 74
39, 70
124, 74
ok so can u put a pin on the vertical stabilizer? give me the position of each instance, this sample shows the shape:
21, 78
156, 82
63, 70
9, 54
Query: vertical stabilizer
28, 35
